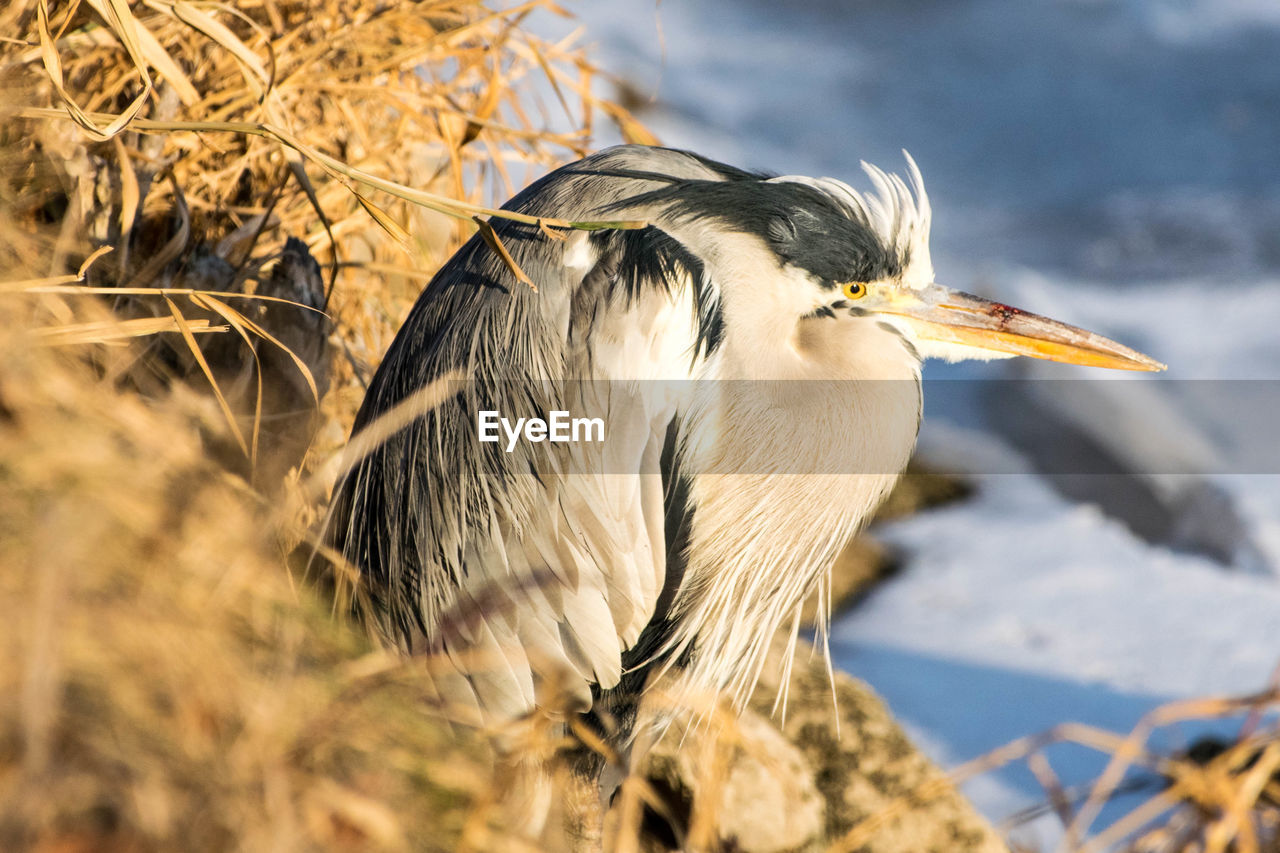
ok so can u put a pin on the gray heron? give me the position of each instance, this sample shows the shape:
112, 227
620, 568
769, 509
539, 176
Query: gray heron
723, 490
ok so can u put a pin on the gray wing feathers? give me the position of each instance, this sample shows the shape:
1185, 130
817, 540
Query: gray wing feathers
583, 576
526, 579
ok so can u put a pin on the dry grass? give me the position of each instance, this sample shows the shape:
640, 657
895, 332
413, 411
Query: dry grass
1220, 799
374, 132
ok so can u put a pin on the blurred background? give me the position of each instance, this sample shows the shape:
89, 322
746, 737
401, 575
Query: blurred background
1111, 163
1122, 140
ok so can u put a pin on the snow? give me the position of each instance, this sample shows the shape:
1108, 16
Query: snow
1021, 578
1110, 163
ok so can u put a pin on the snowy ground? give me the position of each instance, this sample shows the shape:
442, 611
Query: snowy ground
1106, 162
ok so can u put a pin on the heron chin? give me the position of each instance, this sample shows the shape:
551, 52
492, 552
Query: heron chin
576, 575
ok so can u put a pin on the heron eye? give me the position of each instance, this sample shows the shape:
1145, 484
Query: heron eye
854, 289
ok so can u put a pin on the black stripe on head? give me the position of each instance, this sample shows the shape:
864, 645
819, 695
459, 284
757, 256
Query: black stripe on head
804, 226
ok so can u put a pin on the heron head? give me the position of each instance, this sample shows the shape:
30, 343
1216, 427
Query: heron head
866, 257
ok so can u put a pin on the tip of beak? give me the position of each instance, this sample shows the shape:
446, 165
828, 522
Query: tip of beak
1102, 352
1123, 358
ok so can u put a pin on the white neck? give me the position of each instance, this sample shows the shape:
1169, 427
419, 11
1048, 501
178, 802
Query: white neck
786, 472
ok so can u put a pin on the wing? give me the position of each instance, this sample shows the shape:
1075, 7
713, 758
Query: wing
564, 587
533, 568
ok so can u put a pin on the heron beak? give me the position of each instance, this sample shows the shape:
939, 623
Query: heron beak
954, 317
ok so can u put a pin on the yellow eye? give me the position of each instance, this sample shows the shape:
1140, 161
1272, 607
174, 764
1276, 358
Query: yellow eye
854, 289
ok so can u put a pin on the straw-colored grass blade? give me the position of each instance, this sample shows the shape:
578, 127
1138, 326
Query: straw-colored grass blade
117, 331
335, 167
551, 76
162, 63
257, 76
384, 220
130, 198
374, 434
231, 315
48, 284
65, 285
151, 50
239, 322
491, 237
60, 283
89, 261
184, 327
118, 17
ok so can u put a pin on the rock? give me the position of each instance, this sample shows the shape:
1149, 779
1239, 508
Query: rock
795, 784
921, 488
1135, 450
763, 796
869, 769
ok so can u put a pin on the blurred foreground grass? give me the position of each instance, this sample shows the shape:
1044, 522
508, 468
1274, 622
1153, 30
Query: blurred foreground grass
162, 685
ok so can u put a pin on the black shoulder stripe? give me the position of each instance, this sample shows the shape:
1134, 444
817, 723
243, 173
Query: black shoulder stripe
677, 525
615, 709
650, 257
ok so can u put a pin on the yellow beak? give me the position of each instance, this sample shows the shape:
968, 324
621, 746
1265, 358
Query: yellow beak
954, 317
